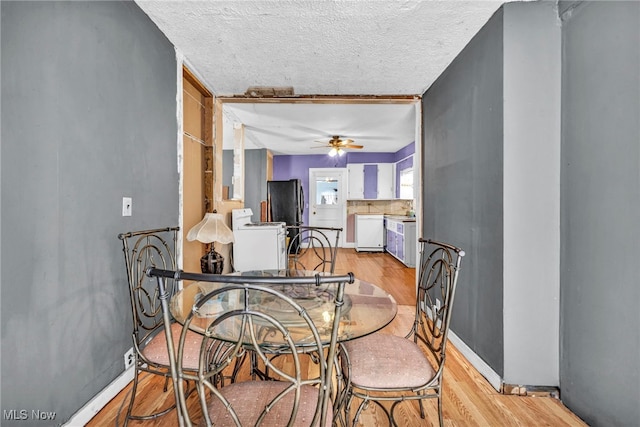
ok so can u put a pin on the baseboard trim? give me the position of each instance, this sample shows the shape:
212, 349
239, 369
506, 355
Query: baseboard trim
100, 400
481, 366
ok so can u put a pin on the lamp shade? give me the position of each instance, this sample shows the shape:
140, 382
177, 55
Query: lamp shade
211, 229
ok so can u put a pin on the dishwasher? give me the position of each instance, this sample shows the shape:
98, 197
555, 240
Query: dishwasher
370, 232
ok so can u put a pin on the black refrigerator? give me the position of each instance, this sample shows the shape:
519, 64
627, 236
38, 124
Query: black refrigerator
286, 202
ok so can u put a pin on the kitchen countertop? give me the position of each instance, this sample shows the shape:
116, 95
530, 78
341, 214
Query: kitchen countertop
403, 218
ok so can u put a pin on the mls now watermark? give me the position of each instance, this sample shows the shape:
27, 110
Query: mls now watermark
24, 414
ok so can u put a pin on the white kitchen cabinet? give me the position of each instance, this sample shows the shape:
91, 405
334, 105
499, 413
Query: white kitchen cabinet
386, 183
356, 180
371, 181
401, 240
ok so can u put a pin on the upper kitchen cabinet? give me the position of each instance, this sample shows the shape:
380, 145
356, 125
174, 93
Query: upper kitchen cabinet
386, 185
356, 180
371, 181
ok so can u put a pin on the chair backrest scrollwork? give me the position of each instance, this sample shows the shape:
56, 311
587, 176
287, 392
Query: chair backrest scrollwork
313, 248
437, 280
142, 250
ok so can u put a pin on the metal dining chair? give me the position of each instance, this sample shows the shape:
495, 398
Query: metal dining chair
254, 313
313, 248
387, 368
309, 248
142, 250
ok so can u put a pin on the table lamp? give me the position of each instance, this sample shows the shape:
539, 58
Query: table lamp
211, 229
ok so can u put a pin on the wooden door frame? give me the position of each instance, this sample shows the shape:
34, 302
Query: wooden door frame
202, 166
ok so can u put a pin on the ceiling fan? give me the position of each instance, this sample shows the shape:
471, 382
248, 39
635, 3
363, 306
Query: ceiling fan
337, 145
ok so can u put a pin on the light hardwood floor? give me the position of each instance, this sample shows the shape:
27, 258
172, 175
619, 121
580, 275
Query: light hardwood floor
469, 400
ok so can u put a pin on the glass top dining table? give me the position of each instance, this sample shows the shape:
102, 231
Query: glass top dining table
367, 308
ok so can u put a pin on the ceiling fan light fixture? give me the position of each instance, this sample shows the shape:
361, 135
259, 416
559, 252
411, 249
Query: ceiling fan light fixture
337, 146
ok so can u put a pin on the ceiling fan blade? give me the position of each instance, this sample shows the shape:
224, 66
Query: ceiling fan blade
344, 142
336, 143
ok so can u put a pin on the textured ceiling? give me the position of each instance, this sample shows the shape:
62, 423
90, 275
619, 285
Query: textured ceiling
320, 47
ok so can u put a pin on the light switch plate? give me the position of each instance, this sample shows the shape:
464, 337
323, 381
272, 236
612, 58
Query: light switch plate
126, 206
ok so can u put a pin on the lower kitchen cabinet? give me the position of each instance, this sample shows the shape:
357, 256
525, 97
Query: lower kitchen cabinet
401, 240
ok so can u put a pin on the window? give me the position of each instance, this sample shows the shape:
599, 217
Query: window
406, 183
326, 191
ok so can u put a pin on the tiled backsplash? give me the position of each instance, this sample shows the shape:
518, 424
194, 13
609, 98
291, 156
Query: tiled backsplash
389, 207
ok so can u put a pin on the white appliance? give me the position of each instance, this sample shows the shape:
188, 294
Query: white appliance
258, 245
369, 232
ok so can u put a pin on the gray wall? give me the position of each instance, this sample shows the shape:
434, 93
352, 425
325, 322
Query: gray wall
598, 187
88, 116
600, 193
255, 180
463, 167
255, 177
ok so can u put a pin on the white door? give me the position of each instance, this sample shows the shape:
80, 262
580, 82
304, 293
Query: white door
328, 199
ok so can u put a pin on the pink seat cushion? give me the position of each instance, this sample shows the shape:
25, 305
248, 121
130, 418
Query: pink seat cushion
156, 350
249, 399
387, 361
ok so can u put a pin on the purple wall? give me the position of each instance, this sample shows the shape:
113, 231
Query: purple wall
405, 152
290, 167
371, 158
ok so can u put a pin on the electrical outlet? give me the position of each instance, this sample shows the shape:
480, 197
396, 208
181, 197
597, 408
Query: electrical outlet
126, 206
128, 358
438, 304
